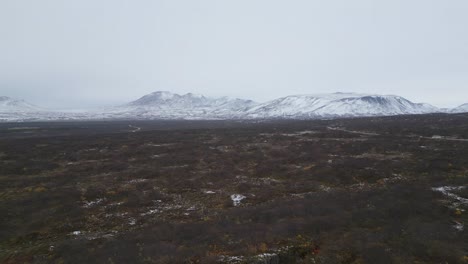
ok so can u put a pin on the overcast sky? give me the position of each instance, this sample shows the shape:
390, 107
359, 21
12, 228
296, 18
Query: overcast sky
71, 54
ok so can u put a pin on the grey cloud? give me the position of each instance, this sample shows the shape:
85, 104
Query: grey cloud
86, 53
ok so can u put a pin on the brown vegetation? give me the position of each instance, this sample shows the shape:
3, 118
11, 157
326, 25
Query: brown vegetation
315, 192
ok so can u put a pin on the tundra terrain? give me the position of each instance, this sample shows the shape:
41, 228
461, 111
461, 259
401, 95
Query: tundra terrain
363, 190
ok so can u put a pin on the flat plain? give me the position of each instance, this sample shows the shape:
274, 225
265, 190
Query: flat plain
365, 190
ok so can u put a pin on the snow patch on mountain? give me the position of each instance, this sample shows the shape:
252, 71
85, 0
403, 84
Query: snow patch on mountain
460, 109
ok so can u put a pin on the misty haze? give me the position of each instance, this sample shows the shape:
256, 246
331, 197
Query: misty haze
233, 132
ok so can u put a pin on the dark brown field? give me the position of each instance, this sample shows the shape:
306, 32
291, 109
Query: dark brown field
340, 191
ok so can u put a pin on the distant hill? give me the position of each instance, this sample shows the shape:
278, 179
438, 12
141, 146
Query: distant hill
338, 105
167, 105
8, 105
461, 109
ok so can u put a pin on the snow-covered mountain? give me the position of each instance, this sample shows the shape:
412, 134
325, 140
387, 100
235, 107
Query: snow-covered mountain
461, 109
338, 105
167, 105
10, 105
14, 110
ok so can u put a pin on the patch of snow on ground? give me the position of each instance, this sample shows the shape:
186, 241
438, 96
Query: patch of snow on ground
160, 145
447, 191
192, 208
231, 259
237, 198
158, 156
135, 129
446, 138
150, 212
459, 226
138, 180
268, 257
93, 203
364, 133
300, 133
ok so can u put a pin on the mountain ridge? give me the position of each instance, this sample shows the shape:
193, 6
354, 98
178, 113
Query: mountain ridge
339, 105
168, 105
460, 109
